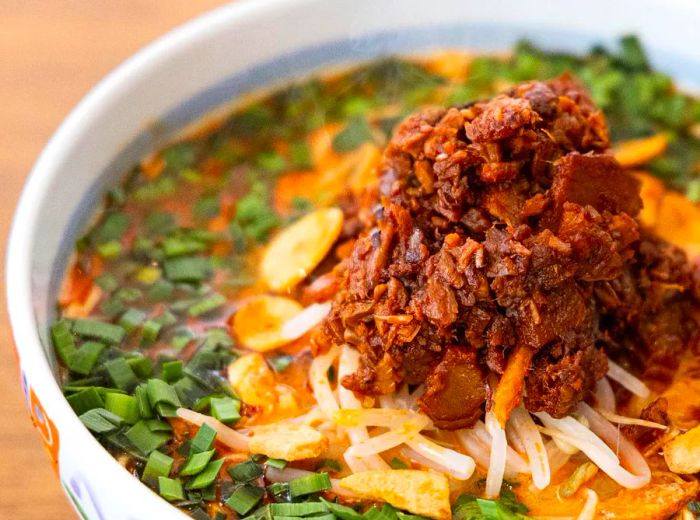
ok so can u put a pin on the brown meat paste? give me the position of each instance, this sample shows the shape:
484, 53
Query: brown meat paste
505, 223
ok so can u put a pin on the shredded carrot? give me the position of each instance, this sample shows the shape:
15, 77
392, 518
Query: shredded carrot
510, 387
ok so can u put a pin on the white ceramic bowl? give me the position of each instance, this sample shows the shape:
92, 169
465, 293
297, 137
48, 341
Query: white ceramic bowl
201, 66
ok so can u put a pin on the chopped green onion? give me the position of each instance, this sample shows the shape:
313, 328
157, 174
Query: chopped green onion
158, 465
309, 484
95, 329
63, 340
99, 420
170, 489
270, 161
340, 511
298, 509
331, 464
225, 409
277, 463
206, 207
187, 269
111, 249
385, 513
143, 439
160, 290
83, 359
125, 406
161, 393
121, 374
172, 371
280, 362
141, 395
179, 246
397, 463
207, 476
204, 440
148, 275
151, 330
158, 426
300, 155
85, 400
206, 305
245, 498
245, 471
132, 319
141, 365
356, 132
129, 294
405, 516
107, 282
112, 228
196, 463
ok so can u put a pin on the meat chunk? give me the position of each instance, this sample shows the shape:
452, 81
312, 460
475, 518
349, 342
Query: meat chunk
455, 392
595, 180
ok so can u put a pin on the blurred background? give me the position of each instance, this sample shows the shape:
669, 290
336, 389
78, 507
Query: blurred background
51, 53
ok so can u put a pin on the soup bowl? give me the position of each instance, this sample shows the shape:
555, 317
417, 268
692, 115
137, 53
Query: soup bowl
197, 70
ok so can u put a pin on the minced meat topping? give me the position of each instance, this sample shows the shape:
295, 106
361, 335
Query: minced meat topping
505, 225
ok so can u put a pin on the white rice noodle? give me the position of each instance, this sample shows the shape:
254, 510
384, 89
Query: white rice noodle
455, 464
514, 439
348, 363
287, 474
573, 428
604, 395
224, 434
297, 326
557, 458
639, 474
589, 507
497, 459
526, 429
515, 463
318, 377
621, 419
387, 401
631, 383
402, 398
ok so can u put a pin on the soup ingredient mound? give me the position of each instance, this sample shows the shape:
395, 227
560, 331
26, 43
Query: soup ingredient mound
506, 226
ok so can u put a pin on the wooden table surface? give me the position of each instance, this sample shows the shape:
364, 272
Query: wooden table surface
51, 53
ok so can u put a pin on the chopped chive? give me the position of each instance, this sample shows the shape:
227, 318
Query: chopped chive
172, 371
141, 365
158, 426
158, 465
85, 400
132, 319
225, 409
107, 282
205, 305
187, 269
141, 395
277, 463
298, 509
385, 513
84, 358
99, 420
196, 463
143, 439
125, 406
63, 340
207, 476
397, 463
179, 246
160, 290
245, 471
109, 250
151, 330
203, 440
170, 489
309, 484
121, 374
340, 511
160, 392
245, 498
95, 329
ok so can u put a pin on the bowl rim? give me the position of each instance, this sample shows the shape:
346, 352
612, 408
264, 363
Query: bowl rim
31, 356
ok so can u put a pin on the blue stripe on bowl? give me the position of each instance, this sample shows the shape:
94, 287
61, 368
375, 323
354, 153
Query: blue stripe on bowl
477, 37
